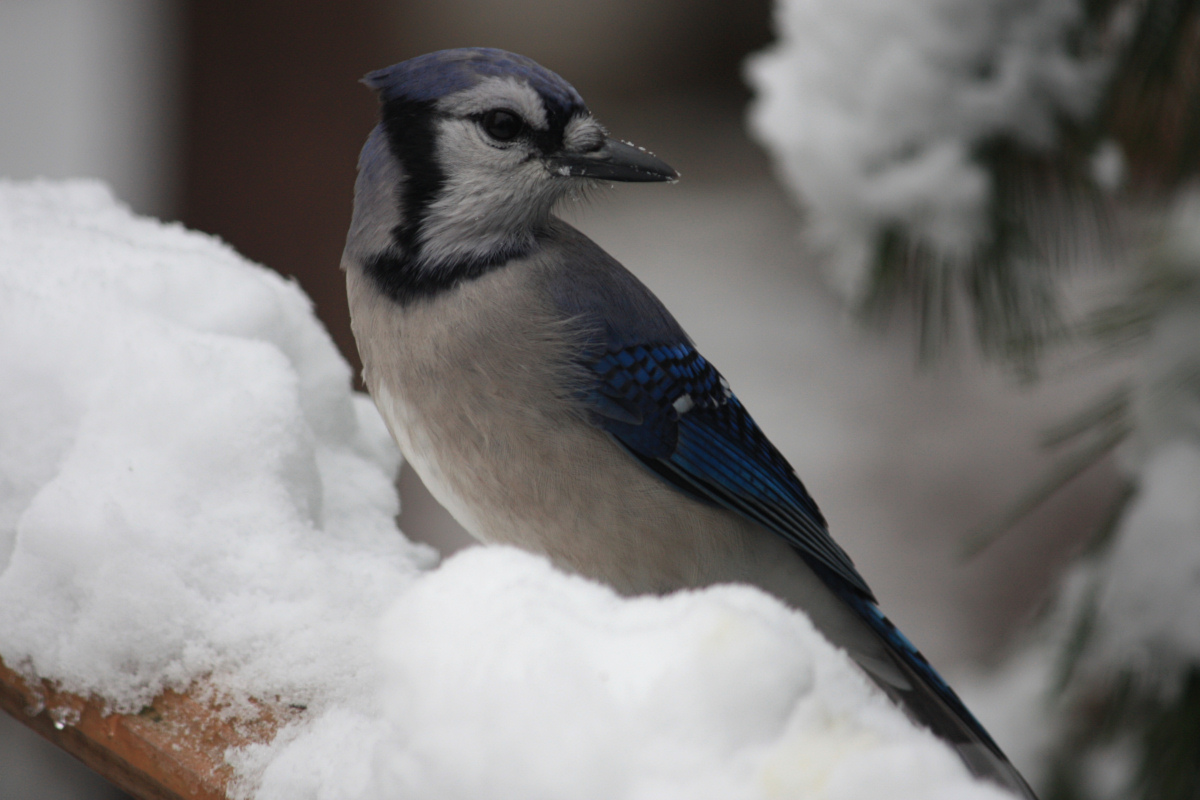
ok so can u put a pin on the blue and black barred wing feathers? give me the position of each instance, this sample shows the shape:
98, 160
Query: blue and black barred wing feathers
673, 411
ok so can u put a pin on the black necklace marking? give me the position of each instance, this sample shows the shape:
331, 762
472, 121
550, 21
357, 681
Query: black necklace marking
406, 282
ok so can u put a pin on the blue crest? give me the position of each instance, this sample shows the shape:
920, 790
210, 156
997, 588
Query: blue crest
435, 75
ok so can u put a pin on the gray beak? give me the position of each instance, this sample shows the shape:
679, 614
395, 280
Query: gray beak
614, 161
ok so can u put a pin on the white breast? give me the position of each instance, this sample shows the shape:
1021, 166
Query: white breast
420, 454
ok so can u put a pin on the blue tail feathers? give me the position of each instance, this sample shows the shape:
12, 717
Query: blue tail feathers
930, 701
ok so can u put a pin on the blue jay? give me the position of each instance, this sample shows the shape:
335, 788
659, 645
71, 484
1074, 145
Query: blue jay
550, 401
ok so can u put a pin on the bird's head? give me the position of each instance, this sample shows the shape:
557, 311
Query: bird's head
473, 149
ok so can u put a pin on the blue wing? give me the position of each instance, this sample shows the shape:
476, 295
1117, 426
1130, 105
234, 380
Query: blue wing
672, 410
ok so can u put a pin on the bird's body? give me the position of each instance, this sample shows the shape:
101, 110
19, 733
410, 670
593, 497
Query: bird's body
549, 400
542, 476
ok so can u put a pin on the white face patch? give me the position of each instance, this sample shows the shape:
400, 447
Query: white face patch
492, 197
495, 193
490, 93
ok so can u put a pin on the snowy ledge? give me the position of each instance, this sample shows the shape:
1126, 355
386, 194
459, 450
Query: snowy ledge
196, 514
173, 749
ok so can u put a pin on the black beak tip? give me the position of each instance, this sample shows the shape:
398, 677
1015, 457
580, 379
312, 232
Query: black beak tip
642, 165
669, 175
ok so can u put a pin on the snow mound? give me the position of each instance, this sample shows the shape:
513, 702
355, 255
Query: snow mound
189, 491
506, 678
187, 483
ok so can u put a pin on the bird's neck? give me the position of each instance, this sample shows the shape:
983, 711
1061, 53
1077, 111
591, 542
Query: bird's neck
396, 275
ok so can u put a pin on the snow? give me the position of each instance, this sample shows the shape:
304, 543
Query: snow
175, 427
873, 111
1141, 593
1150, 596
191, 495
1150, 600
568, 691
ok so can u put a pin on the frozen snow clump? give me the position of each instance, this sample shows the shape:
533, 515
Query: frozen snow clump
874, 111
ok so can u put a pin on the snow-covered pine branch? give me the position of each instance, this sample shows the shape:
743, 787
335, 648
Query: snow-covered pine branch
941, 149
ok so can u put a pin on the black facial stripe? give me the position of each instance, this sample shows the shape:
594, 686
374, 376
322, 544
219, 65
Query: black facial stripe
406, 282
557, 116
550, 140
411, 136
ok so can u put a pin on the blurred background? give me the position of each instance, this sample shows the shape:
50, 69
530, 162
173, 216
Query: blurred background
244, 120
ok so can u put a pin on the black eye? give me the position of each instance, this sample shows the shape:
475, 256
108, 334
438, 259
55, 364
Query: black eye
502, 125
